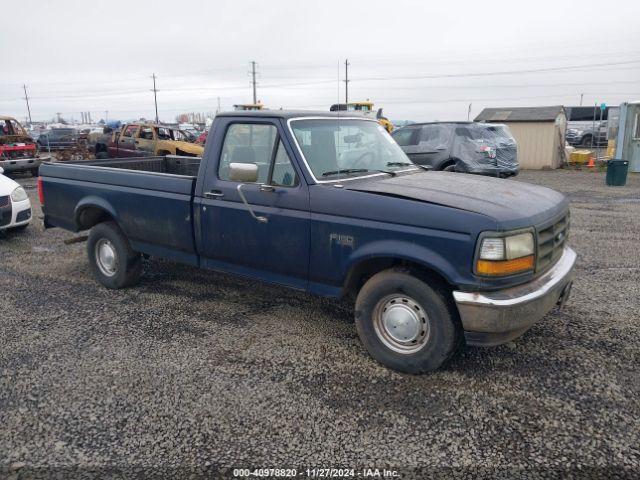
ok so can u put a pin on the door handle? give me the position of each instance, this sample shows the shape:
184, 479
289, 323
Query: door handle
214, 194
267, 188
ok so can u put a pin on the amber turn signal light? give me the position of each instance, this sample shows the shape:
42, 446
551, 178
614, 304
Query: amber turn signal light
505, 267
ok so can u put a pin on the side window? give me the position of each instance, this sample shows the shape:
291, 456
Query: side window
248, 143
435, 136
130, 130
163, 133
284, 175
405, 137
146, 133
254, 143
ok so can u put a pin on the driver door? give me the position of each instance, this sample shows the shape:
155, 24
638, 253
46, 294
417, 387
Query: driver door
231, 238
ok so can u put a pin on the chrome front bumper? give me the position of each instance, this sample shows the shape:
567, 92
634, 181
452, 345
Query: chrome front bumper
492, 318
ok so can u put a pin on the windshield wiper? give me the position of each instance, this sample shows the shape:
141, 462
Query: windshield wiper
398, 164
393, 174
408, 164
344, 170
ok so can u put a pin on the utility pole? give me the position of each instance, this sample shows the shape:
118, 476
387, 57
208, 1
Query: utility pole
155, 97
581, 98
469, 112
346, 81
253, 82
106, 116
26, 97
218, 110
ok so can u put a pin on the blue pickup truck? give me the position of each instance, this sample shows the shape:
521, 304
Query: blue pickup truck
331, 205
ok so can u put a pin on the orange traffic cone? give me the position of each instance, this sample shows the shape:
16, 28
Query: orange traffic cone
592, 163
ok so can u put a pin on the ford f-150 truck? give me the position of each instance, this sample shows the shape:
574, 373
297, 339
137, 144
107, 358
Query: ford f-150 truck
330, 204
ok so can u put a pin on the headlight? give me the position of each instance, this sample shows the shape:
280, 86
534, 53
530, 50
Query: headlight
19, 195
501, 256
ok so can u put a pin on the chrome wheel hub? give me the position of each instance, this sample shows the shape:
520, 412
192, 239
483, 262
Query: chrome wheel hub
106, 258
401, 324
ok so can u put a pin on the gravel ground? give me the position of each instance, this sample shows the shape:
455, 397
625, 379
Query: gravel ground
194, 370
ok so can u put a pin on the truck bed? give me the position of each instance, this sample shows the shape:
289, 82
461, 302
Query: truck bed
151, 197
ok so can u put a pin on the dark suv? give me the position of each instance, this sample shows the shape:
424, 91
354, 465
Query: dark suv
482, 148
58, 139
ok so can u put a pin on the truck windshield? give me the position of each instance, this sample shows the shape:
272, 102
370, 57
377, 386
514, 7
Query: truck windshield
11, 127
336, 148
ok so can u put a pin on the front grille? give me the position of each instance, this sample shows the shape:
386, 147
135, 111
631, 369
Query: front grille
551, 239
23, 215
5, 211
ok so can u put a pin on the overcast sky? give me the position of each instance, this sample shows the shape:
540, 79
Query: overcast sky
418, 60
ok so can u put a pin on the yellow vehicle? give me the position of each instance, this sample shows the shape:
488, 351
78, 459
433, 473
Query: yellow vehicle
249, 106
366, 108
147, 139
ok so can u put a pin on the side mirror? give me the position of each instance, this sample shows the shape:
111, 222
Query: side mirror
1, 170
243, 172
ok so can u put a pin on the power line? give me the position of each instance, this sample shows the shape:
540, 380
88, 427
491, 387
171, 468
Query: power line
505, 72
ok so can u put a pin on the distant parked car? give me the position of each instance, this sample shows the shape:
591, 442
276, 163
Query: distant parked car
485, 149
584, 127
202, 138
15, 207
58, 139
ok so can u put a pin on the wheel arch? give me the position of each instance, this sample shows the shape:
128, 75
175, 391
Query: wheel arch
91, 211
446, 162
423, 263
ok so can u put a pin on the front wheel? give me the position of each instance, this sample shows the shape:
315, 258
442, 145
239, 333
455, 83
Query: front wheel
406, 324
113, 263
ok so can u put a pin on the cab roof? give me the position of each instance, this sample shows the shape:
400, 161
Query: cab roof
288, 114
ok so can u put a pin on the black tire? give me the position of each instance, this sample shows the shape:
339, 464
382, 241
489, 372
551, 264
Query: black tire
34, 172
102, 155
127, 265
586, 141
449, 166
443, 335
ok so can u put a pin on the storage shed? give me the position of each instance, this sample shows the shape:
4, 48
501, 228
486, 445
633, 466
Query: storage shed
539, 131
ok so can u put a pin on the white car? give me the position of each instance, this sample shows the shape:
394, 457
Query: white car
15, 207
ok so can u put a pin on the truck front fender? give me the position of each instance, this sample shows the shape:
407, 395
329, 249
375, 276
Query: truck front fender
403, 252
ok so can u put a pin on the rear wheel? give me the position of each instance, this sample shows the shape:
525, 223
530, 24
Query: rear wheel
449, 167
113, 263
406, 324
586, 141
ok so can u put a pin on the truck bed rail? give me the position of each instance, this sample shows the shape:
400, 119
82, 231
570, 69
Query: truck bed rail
171, 164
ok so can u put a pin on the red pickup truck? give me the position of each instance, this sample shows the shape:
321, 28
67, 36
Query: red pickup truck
18, 151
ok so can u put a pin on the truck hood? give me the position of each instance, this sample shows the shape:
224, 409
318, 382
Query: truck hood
8, 139
510, 203
189, 147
